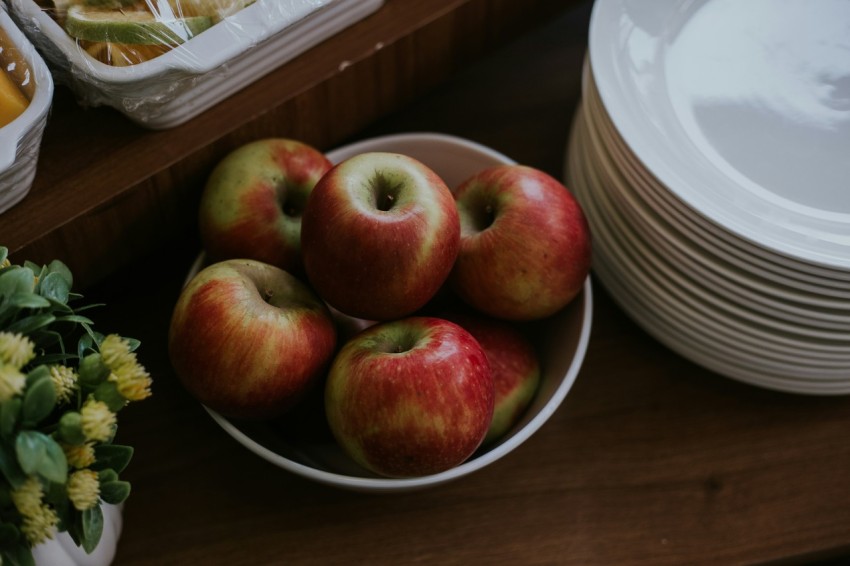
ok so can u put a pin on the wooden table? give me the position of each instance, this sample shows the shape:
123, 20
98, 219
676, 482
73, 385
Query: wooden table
650, 459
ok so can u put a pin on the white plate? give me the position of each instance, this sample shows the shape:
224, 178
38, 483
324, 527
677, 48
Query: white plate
712, 346
739, 109
603, 185
657, 286
758, 261
691, 257
709, 357
562, 341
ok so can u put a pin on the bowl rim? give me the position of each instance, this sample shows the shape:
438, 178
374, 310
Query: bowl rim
468, 467
383, 485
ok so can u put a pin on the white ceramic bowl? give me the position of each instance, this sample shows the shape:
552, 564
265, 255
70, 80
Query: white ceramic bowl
20, 140
561, 342
170, 89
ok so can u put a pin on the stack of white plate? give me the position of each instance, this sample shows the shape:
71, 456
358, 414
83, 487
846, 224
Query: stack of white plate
711, 154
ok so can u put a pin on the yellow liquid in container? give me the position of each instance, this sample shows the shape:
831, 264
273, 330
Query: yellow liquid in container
12, 100
16, 88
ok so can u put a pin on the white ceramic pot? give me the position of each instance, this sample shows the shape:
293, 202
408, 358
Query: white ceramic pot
62, 551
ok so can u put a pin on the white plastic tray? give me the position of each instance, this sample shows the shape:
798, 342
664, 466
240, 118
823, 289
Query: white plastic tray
170, 89
20, 140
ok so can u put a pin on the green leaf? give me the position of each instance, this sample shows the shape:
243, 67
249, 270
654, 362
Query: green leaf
62, 270
16, 280
39, 454
85, 344
74, 318
39, 401
9, 534
54, 287
92, 371
107, 475
30, 324
4, 253
25, 300
71, 428
96, 337
10, 468
115, 492
50, 359
92, 528
107, 392
9, 412
57, 496
31, 450
49, 338
39, 373
112, 456
34, 267
86, 307
55, 468
20, 555
60, 308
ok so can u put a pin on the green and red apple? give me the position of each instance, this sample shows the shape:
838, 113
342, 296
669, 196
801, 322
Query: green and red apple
410, 397
249, 340
525, 246
252, 203
514, 363
379, 235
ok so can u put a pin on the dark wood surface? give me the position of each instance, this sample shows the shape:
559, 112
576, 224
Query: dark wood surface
650, 459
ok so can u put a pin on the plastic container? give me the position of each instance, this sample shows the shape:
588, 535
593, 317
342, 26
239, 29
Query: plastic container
177, 85
20, 139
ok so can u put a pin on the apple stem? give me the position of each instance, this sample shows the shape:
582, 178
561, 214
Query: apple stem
482, 218
293, 199
385, 192
388, 202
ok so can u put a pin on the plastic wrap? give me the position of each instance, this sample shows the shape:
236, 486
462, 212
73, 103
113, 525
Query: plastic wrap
161, 62
24, 113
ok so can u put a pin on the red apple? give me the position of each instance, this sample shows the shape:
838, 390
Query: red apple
515, 366
379, 235
525, 243
411, 397
252, 203
248, 339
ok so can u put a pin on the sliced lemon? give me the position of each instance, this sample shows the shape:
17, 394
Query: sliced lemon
138, 27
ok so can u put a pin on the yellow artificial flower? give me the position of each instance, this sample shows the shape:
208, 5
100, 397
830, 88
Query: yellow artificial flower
39, 520
12, 382
5, 263
133, 382
83, 489
64, 381
115, 352
27, 498
97, 421
131, 379
79, 455
16, 349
